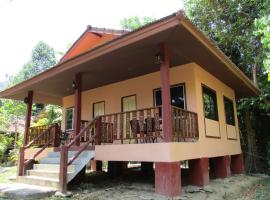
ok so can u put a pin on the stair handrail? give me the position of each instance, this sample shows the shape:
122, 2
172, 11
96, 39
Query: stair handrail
64, 162
22, 162
77, 137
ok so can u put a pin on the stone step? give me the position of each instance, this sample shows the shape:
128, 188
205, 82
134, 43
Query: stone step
52, 167
40, 181
44, 173
70, 154
55, 160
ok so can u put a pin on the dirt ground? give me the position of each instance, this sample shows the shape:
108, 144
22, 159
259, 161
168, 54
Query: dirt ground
135, 186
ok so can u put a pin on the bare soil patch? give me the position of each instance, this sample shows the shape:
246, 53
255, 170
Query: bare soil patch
136, 186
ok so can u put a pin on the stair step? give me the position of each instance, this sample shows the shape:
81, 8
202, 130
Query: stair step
40, 181
44, 173
70, 154
52, 167
55, 160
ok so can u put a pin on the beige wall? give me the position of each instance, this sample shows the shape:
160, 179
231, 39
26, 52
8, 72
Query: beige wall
193, 76
141, 86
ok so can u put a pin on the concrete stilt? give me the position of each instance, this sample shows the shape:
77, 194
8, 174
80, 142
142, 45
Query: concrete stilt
222, 167
168, 178
237, 164
198, 172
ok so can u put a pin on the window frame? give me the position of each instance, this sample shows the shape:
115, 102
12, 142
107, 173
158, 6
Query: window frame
172, 86
72, 124
232, 102
122, 105
216, 102
93, 107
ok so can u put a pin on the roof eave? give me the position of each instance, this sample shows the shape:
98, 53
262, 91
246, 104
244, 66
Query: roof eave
217, 52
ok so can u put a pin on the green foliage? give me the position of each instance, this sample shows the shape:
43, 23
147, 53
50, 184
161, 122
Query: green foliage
241, 30
12, 113
42, 58
50, 115
135, 22
263, 32
5, 141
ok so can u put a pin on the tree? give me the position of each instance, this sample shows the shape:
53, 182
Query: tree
12, 113
42, 58
135, 22
263, 32
231, 24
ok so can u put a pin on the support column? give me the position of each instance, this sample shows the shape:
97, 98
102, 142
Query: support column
29, 101
198, 173
168, 178
77, 106
237, 164
166, 94
222, 167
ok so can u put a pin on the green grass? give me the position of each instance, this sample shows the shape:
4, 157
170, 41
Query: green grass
259, 191
263, 191
4, 177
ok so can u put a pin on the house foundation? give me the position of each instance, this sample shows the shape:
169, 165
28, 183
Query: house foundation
222, 167
237, 164
198, 173
168, 178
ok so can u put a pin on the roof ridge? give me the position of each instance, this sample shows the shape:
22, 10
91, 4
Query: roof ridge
105, 30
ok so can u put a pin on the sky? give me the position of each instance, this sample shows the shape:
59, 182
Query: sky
23, 23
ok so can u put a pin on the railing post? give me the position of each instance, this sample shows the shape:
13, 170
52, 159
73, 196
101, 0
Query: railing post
63, 169
55, 135
21, 162
98, 131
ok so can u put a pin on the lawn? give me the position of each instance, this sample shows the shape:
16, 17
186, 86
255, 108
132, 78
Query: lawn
9, 172
259, 191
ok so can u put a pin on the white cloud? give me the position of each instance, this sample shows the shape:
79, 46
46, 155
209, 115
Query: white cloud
60, 22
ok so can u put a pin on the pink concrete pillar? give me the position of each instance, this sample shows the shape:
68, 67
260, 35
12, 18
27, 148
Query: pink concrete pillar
237, 164
198, 172
168, 178
222, 167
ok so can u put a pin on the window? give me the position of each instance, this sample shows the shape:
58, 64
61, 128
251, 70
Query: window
99, 108
229, 111
129, 103
69, 118
210, 103
177, 96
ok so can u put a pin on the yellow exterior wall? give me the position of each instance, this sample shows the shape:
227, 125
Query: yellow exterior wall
193, 76
141, 86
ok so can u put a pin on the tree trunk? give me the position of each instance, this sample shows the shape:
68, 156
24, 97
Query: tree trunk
251, 161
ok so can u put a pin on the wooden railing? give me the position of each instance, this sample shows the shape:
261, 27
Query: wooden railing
185, 125
51, 134
93, 136
138, 126
44, 138
84, 137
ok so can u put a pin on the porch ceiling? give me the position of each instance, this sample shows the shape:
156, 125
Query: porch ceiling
131, 55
